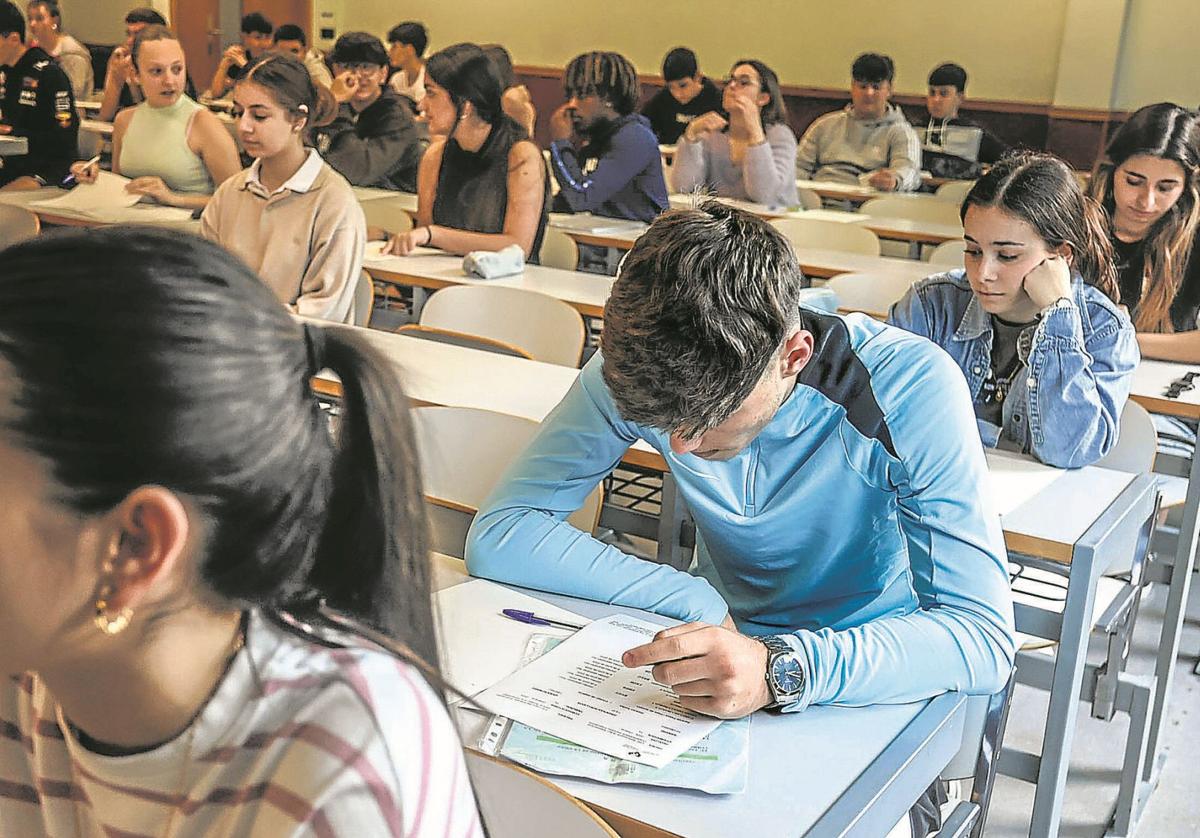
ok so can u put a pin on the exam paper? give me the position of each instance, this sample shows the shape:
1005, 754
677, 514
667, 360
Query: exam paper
107, 193
581, 692
480, 645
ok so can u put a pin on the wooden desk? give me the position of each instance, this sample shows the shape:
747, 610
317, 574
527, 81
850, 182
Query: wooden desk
433, 269
912, 230
151, 214
860, 770
97, 127
1150, 382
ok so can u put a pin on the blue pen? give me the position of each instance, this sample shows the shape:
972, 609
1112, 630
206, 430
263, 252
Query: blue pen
534, 620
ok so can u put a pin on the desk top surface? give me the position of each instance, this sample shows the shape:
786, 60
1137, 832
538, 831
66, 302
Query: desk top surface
13, 146
1150, 382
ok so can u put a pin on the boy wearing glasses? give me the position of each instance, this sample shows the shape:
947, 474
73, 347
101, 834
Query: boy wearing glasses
374, 140
869, 141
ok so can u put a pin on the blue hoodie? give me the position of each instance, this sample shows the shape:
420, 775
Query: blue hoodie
617, 175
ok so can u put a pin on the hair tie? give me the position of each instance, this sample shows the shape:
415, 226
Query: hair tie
314, 348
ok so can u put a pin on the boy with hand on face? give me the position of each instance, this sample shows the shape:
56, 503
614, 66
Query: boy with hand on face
256, 39
687, 95
374, 140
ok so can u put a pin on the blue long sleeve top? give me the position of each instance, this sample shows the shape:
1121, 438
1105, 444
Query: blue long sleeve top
853, 525
617, 176
1065, 406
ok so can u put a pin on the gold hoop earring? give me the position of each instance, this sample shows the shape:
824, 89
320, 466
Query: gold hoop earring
111, 624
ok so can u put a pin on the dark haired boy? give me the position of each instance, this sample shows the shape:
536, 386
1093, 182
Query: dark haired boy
954, 146
290, 38
36, 103
869, 141
603, 155
374, 140
407, 43
846, 553
687, 95
256, 39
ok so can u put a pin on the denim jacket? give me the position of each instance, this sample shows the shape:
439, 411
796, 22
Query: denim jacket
1066, 408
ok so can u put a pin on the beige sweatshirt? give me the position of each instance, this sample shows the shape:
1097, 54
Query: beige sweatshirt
305, 239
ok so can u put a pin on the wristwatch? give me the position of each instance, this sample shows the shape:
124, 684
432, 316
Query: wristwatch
785, 673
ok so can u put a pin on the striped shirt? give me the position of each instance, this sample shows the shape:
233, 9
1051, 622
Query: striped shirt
298, 739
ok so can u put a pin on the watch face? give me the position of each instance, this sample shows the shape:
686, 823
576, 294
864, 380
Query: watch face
787, 675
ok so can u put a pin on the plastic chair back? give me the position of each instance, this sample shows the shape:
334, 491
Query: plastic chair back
872, 294
543, 326
364, 299
464, 452
916, 209
16, 225
388, 213
949, 253
516, 803
828, 235
954, 191
1137, 442
809, 200
558, 250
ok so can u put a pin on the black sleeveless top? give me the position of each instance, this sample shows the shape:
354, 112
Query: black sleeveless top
472, 187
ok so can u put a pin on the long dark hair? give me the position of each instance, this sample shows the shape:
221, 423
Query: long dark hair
141, 356
775, 111
1041, 190
291, 85
1167, 131
467, 74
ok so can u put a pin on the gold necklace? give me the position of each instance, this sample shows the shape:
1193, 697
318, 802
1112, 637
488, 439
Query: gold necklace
180, 794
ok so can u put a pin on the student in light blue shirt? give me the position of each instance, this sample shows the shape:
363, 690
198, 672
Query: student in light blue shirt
832, 466
1033, 320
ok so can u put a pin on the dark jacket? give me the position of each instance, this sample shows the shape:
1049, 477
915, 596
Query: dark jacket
617, 173
379, 146
941, 153
37, 103
669, 119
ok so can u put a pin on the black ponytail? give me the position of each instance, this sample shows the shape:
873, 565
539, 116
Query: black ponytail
139, 356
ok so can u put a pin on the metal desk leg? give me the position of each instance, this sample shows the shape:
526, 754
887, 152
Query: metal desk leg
420, 295
671, 549
1177, 595
1064, 693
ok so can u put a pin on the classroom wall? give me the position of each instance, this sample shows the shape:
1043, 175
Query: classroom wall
808, 42
1159, 58
102, 21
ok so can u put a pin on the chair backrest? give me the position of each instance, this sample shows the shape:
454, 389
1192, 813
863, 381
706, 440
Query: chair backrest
463, 452
364, 299
554, 187
916, 209
545, 327
829, 235
17, 224
954, 191
415, 330
949, 253
1137, 443
871, 294
822, 299
516, 803
559, 250
388, 213
809, 200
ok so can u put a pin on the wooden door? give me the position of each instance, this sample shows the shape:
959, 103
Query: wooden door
197, 22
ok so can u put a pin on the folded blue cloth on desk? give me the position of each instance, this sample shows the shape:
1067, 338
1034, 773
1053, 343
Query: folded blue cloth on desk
488, 264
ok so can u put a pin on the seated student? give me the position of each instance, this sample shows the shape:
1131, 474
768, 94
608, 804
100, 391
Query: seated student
1149, 183
190, 575
121, 89
869, 140
256, 41
483, 183
603, 155
290, 38
45, 24
953, 146
1033, 320
751, 155
516, 101
406, 50
176, 150
687, 94
374, 140
36, 103
290, 216
765, 410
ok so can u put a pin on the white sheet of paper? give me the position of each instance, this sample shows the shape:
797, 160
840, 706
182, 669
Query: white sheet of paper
373, 252
581, 692
107, 193
1014, 479
832, 215
481, 646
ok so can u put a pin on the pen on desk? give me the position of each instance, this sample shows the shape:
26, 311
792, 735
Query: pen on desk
91, 162
534, 620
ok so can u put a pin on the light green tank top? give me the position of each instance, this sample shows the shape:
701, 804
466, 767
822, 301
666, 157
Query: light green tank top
155, 143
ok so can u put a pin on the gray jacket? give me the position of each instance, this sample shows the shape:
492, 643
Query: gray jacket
840, 147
